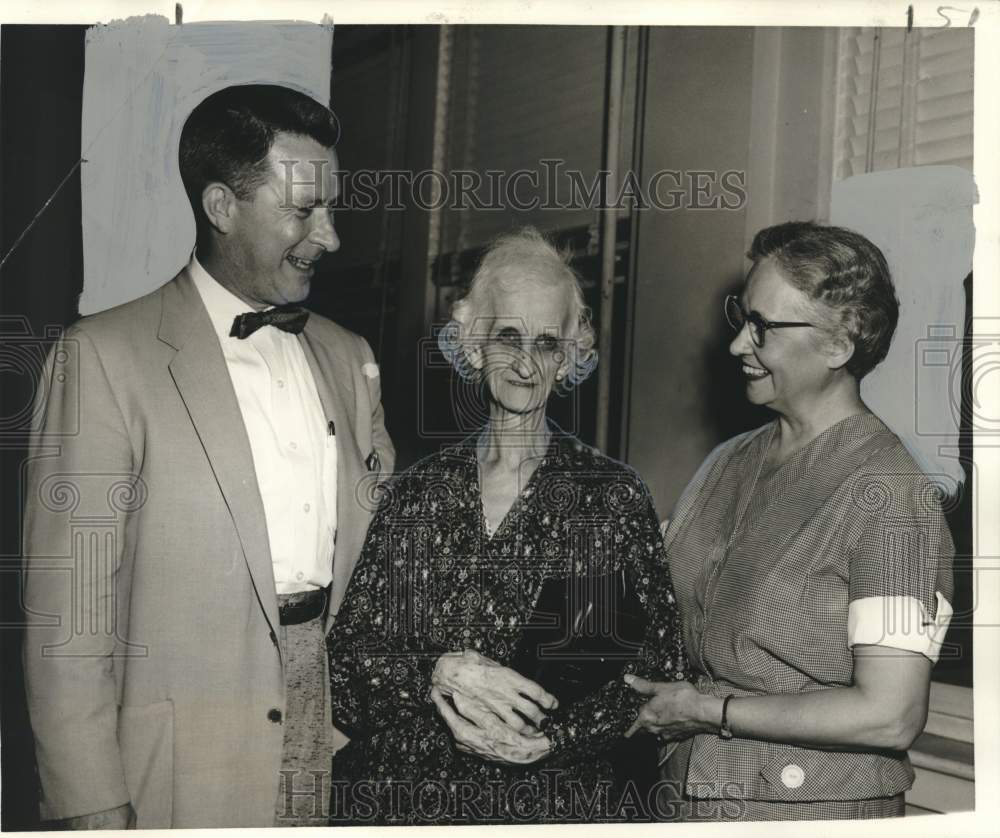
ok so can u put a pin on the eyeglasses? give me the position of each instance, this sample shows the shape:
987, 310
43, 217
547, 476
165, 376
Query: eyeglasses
758, 325
510, 337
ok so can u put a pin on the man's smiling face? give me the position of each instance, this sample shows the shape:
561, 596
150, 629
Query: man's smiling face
286, 225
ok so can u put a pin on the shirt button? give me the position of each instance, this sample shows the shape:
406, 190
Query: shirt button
300, 576
793, 776
281, 384
305, 507
274, 715
293, 445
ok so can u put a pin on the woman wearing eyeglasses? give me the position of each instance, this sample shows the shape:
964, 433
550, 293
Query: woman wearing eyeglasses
461, 706
811, 561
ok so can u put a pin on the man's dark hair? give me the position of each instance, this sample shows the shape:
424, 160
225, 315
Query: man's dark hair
228, 136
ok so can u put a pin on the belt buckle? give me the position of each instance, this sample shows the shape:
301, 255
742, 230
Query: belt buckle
309, 608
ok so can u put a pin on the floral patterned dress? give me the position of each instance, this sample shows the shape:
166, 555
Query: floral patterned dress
431, 579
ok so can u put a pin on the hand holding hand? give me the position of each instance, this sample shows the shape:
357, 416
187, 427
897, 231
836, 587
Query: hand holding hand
499, 689
479, 731
675, 710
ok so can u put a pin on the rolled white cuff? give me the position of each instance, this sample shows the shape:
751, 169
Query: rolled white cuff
901, 622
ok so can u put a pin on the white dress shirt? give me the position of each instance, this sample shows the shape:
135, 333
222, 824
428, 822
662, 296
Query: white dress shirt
294, 450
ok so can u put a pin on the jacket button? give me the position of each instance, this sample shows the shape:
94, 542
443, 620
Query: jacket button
793, 776
274, 715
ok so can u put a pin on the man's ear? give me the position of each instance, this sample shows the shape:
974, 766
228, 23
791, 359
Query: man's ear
219, 203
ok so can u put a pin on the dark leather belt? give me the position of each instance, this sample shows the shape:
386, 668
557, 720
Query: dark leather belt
302, 607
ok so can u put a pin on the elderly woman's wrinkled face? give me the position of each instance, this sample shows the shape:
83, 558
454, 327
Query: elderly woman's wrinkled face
789, 371
523, 351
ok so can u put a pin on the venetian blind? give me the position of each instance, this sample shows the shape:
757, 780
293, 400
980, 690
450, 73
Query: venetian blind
517, 95
365, 95
903, 99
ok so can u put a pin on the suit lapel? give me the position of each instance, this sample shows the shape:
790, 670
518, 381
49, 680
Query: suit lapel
199, 371
333, 379
334, 382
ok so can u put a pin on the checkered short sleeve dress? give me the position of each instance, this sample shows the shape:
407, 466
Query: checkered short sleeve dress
777, 579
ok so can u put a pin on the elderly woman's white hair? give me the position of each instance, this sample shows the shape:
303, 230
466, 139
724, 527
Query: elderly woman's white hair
510, 261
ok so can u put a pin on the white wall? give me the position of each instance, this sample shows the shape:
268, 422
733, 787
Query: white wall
697, 118
767, 110
142, 78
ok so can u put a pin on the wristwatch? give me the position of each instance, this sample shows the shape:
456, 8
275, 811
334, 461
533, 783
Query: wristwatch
725, 731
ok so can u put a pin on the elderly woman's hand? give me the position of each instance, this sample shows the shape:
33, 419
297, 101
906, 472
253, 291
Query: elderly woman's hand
501, 690
477, 730
674, 711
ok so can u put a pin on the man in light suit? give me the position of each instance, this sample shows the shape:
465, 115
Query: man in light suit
197, 499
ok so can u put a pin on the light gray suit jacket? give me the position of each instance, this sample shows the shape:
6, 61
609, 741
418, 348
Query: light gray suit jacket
151, 663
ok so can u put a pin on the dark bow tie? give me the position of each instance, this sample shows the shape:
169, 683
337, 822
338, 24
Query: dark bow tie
288, 318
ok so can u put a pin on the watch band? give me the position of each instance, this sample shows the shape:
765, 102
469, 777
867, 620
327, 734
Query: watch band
725, 731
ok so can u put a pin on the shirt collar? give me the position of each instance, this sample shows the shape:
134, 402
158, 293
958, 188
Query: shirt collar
222, 304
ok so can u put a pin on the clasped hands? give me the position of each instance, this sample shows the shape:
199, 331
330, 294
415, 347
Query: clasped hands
492, 711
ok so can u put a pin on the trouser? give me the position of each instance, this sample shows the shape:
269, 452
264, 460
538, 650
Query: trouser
307, 752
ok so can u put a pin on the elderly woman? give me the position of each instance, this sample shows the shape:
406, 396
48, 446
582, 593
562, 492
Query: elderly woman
448, 585
811, 559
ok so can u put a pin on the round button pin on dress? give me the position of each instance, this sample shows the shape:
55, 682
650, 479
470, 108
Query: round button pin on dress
793, 776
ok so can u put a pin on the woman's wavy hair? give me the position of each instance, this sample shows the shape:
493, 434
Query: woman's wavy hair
510, 261
847, 279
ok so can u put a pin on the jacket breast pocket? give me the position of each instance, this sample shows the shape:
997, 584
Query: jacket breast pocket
146, 743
